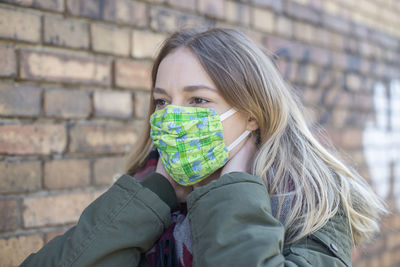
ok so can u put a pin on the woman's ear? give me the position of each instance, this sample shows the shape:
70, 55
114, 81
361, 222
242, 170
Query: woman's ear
252, 124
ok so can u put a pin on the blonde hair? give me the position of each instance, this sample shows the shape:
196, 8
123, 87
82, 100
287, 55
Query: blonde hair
290, 159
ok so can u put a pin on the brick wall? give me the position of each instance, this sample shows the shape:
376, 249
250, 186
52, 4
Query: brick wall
74, 87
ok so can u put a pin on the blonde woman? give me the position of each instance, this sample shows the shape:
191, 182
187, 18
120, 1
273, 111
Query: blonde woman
226, 173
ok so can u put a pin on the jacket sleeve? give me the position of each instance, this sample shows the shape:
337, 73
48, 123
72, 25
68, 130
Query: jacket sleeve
231, 225
115, 229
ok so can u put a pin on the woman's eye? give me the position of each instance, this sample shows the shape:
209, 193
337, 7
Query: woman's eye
158, 103
199, 101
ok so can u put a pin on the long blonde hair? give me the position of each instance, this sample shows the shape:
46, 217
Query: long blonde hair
290, 159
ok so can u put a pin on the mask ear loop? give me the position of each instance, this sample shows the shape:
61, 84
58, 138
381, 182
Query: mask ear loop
227, 114
238, 140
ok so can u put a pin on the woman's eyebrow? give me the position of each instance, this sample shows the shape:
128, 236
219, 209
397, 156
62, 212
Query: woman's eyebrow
188, 88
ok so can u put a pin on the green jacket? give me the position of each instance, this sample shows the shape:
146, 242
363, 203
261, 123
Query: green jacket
230, 222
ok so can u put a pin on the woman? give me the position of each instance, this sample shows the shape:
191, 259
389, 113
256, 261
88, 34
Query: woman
229, 174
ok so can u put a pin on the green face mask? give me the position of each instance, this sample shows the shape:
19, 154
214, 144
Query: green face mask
190, 141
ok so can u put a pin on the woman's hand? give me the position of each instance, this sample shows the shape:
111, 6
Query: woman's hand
181, 191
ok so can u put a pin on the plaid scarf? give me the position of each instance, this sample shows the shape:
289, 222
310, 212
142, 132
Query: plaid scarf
174, 246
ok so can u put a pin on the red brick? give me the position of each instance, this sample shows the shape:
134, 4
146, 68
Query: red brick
133, 74
67, 103
55, 209
184, 4
113, 104
68, 68
61, 31
213, 8
121, 11
16, 100
8, 214
8, 63
104, 138
32, 139
66, 173
55, 5
109, 39
14, 250
106, 168
142, 104
20, 176
19, 26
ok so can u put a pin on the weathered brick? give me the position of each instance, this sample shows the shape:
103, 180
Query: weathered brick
337, 41
55, 209
113, 104
20, 176
213, 8
184, 4
48, 236
168, 20
19, 100
237, 13
61, 31
66, 173
106, 168
339, 117
351, 138
109, 39
19, 25
162, 19
8, 62
32, 139
121, 11
14, 250
276, 5
145, 44
55, 5
142, 104
104, 138
8, 214
304, 32
133, 74
263, 20
336, 23
68, 68
284, 26
353, 82
303, 12
67, 103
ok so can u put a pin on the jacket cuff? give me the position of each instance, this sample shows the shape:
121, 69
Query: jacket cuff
157, 183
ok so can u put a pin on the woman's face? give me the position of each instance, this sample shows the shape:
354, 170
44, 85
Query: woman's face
182, 81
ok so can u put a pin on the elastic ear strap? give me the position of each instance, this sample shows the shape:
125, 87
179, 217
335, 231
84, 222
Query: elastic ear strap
238, 140
227, 114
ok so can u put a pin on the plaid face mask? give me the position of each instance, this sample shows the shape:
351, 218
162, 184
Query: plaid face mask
190, 141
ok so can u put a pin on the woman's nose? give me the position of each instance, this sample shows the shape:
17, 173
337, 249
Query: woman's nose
178, 101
